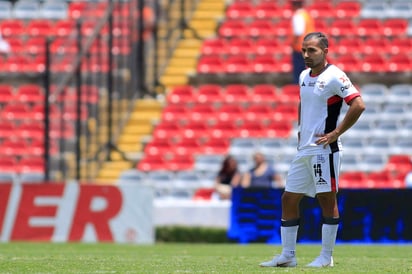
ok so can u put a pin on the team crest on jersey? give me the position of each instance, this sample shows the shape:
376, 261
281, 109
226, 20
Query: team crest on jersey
321, 84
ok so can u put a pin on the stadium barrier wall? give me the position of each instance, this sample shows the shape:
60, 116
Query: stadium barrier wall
76, 213
367, 216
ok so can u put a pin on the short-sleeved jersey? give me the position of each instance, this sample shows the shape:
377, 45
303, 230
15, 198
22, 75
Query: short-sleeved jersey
321, 98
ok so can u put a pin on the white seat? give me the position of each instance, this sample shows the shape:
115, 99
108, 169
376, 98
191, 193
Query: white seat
349, 162
372, 162
374, 93
400, 93
132, 175
8, 177
271, 146
245, 162
400, 9
26, 9
403, 145
353, 145
31, 177
385, 128
396, 110
208, 163
374, 10
188, 179
161, 179
243, 146
379, 145
6, 9
54, 10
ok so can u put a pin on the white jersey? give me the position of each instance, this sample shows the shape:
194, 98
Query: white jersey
321, 98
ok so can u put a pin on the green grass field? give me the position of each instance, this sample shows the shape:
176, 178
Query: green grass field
193, 258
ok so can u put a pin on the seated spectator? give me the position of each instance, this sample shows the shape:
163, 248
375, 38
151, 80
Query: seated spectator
228, 177
262, 174
4, 45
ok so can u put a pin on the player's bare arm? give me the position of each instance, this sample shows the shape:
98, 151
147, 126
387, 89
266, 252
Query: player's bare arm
356, 107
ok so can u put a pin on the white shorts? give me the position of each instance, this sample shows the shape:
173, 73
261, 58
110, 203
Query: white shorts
312, 174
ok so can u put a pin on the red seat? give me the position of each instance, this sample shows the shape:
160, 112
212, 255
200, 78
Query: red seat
233, 28
199, 128
343, 28
181, 95
204, 111
258, 111
180, 162
159, 146
175, 113
380, 179
39, 27
8, 164
6, 93
285, 112
210, 64
395, 27
348, 62
76, 9
238, 64
152, 163
369, 27
209, 93
349, 46
289, 93
400, 62
59, 131
216, 145
16, 44
230, 112
7, 129
319, 10
347, 9
239, 10
265, 64
36, 45
30, 93
374, 63
253, 128
264, 93
401, 163
225, 129
16, 111
203, 194
14, 147
236, 93
214, 46
240, 46
400, 44
168, 129
261, 27
279, 129
282, 28
265, 45
31, 164
12, 27
189, 145
64, 27
355, 179
31, 130
267, 10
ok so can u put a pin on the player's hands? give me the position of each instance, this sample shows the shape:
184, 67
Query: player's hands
326, 139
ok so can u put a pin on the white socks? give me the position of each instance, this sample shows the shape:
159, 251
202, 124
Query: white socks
329, 232
289, 236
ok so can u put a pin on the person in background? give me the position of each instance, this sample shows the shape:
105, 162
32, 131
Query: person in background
227, 178
302, 23
314, 172
262, 174
4, 45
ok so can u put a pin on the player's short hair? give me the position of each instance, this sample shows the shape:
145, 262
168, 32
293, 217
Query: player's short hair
323, 40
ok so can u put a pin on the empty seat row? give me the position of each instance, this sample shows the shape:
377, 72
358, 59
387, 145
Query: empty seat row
279, 47
235, 64
338, 28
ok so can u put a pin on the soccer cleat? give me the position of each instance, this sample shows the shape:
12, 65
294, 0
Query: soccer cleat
280, 261
321, 262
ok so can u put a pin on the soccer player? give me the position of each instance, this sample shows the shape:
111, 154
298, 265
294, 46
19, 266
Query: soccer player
314, 171
302, 23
